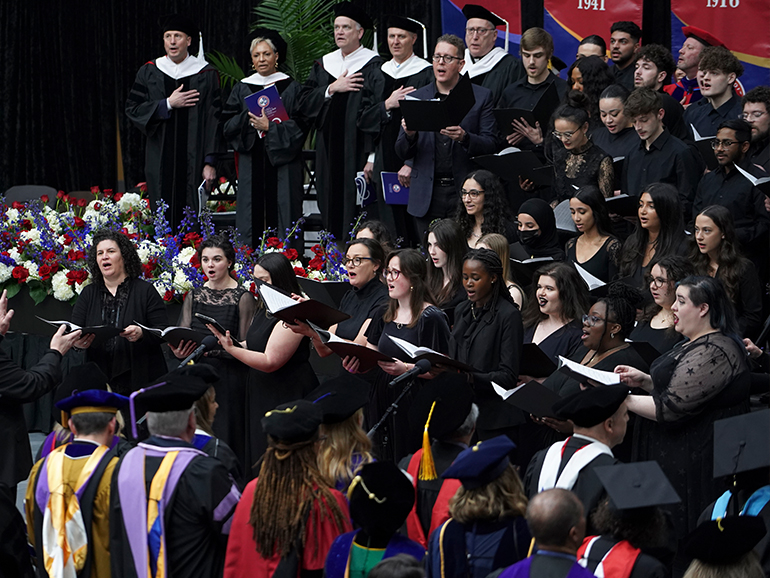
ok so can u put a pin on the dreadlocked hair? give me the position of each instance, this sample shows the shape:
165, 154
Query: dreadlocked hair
622, 301
289, 486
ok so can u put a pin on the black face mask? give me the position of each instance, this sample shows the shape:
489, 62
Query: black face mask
527, 237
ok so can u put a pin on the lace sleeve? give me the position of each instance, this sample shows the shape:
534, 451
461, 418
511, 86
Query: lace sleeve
606, 177
702, 373
185, 317
614, 248
247, 307
569, 244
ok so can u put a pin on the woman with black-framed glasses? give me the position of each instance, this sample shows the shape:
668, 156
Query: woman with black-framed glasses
482, 209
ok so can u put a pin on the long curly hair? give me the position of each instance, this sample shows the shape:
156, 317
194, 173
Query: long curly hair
731, 263
596, 77
499, 499
451, 240
289, 486
415, 269
496, 210
573, 294
341, 442
131, 262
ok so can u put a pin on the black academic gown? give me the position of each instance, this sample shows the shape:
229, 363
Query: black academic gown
383, 126
270, 174
14, 553
179, 141
195, 542
507, 71
341, 147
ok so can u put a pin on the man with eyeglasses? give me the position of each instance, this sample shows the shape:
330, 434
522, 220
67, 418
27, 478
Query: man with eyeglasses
333, 97
717, 72
756, 111
488, 65
727, 187
402, 74
660, 156
624, 44
441, 160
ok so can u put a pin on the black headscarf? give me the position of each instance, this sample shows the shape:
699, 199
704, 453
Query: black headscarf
546, 244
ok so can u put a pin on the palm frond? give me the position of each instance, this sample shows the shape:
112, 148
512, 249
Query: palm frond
229, 70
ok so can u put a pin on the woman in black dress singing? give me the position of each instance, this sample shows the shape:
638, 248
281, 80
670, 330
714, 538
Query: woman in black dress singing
446, 249
117, 297
411, 315
233, 307
595, 249
270, 173
279, 358
482, 208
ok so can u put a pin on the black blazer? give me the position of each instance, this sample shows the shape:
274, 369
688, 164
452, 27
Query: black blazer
18, 387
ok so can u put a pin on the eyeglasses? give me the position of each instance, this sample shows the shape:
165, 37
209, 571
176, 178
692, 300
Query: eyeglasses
473, 193
445, 58
391, 273
657, 282
356, 261
716, 143
591, 320
479, 31
754, 114
564, 135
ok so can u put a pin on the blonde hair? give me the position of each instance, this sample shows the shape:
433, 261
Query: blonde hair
203, 418
746, 567
499, 244
339, 444
499, 499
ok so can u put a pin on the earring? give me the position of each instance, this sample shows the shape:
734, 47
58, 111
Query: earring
612, 336
411, 288
253, 67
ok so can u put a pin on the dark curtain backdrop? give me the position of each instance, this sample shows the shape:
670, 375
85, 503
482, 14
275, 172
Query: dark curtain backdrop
68, 67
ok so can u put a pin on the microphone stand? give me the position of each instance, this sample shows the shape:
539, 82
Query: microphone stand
392, 410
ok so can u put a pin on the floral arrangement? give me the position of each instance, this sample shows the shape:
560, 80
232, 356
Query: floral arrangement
44, 248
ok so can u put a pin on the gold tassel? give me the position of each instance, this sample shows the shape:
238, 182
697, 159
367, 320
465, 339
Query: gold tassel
427, 467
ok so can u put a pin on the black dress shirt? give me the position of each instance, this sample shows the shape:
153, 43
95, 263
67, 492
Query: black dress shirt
705, 118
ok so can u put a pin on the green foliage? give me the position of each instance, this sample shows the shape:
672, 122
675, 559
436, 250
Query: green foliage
37, 291
229, 71
12, 287
305, 25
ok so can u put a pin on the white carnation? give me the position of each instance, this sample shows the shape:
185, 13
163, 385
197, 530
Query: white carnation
33, 235
13, 253
130, 201
5, 272
61, 290
184, 256
34, 275
181, 282
12, 215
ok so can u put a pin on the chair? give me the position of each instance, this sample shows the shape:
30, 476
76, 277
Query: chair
24, 193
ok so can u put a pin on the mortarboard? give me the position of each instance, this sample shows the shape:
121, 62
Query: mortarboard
179, 22
393, 21
476, 11
741, 443
277, 40
350, 10
340, 397
702, 36
724, 540
380, 496
637, 485
481, 464
557, 63
591, 406
293, 422
92, 401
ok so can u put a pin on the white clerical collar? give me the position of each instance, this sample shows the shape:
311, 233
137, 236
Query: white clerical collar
585, 437
484, 64
335, 63
189, 66
85, 441
260, 80
410, 66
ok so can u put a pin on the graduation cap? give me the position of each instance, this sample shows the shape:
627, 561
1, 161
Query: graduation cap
557, 63
340, 397
591, 406
442, 405
393, 21
350, 10
381, 497
741, 443
280, 44
293, 422
92, 401
481, 464
637, 485
178, 22
476, 11
724, 540
702, 36
80, 378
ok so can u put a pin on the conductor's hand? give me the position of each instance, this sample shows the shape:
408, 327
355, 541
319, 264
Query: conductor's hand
183, 98
345, 83
405, 175
5, 314
85, 341
456, 133
62, 342
133, 333
184, 349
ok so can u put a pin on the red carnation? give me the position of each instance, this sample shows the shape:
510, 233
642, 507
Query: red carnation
300, 272
68, 239
45, 272
193, 239
77, 276
274, 242
20, 273
317, 249
291, 254
45, 199
316, 263
48, 255
75, 255
79, 223
168, 295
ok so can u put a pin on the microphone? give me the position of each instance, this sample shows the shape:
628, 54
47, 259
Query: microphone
422, 366
209, 342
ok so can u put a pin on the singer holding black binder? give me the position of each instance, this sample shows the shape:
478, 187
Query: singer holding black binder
411, 315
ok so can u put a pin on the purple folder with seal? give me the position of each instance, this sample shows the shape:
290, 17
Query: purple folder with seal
395, 193
270, 100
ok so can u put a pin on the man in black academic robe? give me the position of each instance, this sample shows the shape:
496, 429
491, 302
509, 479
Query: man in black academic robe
488, 65
176, 102
600, 417
402, 74
199, 497
333, 96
